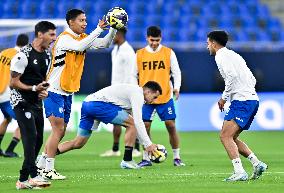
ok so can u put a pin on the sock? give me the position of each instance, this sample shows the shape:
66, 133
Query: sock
238, 167
115, 147
137, 145
42, 161
49, 164
128, 153
176, 153
13, 144
253, 159
1, 138
146, 156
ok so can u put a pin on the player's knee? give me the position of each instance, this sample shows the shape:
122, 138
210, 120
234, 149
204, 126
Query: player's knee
171, 129
224, 136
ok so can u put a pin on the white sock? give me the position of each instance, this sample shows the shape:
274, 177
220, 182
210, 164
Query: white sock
238, 167
42, 160
253, 159
49, 164
176, 153
145, 156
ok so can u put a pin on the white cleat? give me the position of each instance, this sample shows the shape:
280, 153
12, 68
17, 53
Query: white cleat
23, 185
258, 170
237, 177
52, 175
40, 171
110, 153
128, 165
136, 153
39, 181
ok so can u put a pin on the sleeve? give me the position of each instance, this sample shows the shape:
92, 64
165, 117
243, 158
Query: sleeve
175, 70
19, 63
134, 72
137, 101
106, 41
65, 42
229, 76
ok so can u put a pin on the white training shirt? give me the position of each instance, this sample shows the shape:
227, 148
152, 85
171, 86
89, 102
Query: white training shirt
5, 96
66, 42
175, 70
239, 80
128, 97
123, 60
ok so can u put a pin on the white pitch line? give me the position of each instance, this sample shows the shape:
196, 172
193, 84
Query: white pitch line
131, 175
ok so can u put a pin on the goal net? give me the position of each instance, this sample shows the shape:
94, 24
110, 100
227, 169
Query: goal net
10, 28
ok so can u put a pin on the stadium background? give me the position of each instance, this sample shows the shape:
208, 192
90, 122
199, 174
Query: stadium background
255, 28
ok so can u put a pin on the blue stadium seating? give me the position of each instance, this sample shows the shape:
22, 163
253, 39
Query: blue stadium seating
180, 20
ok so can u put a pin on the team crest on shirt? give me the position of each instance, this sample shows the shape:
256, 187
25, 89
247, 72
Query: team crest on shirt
28, 115
60, 110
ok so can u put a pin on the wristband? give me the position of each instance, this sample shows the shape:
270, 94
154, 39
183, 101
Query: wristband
34, 88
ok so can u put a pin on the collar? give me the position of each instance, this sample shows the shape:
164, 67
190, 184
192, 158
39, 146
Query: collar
17, 48
69, 30
221, 50
149, 49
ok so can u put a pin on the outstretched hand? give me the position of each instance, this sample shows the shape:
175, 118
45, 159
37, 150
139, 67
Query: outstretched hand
103, 24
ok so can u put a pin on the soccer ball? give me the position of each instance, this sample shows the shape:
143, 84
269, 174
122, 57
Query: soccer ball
161, 154
117, 18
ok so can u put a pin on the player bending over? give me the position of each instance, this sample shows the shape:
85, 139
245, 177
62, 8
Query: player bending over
116, 104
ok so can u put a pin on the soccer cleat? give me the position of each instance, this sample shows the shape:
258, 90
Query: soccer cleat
128, 165
136, 153
10, 154
237, 177
144, 163
24, 185
1, 152
110, 153
52, 175
178, 162
39, 181
40, 171
258, 170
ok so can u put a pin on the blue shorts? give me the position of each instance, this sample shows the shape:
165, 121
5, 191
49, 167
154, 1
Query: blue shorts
7, 110
165, 111
101, 111
242, 112
58, 105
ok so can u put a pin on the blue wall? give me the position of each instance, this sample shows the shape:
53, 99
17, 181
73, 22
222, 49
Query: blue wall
200, 112
199, 71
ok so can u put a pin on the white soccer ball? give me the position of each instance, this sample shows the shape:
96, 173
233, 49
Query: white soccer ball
161, 154
117, 18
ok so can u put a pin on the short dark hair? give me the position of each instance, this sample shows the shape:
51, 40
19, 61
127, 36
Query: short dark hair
154, 31
22, 40
72, 14
154, 86
43, 27
220, 36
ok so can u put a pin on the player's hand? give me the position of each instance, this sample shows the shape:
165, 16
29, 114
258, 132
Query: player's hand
42, 94
221, 104
42, 86
103, 24
151, 149
176, 93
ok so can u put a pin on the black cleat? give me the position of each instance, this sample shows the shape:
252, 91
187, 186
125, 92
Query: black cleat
10, 154
1, 152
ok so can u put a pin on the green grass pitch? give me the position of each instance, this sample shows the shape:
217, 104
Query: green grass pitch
207, 164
